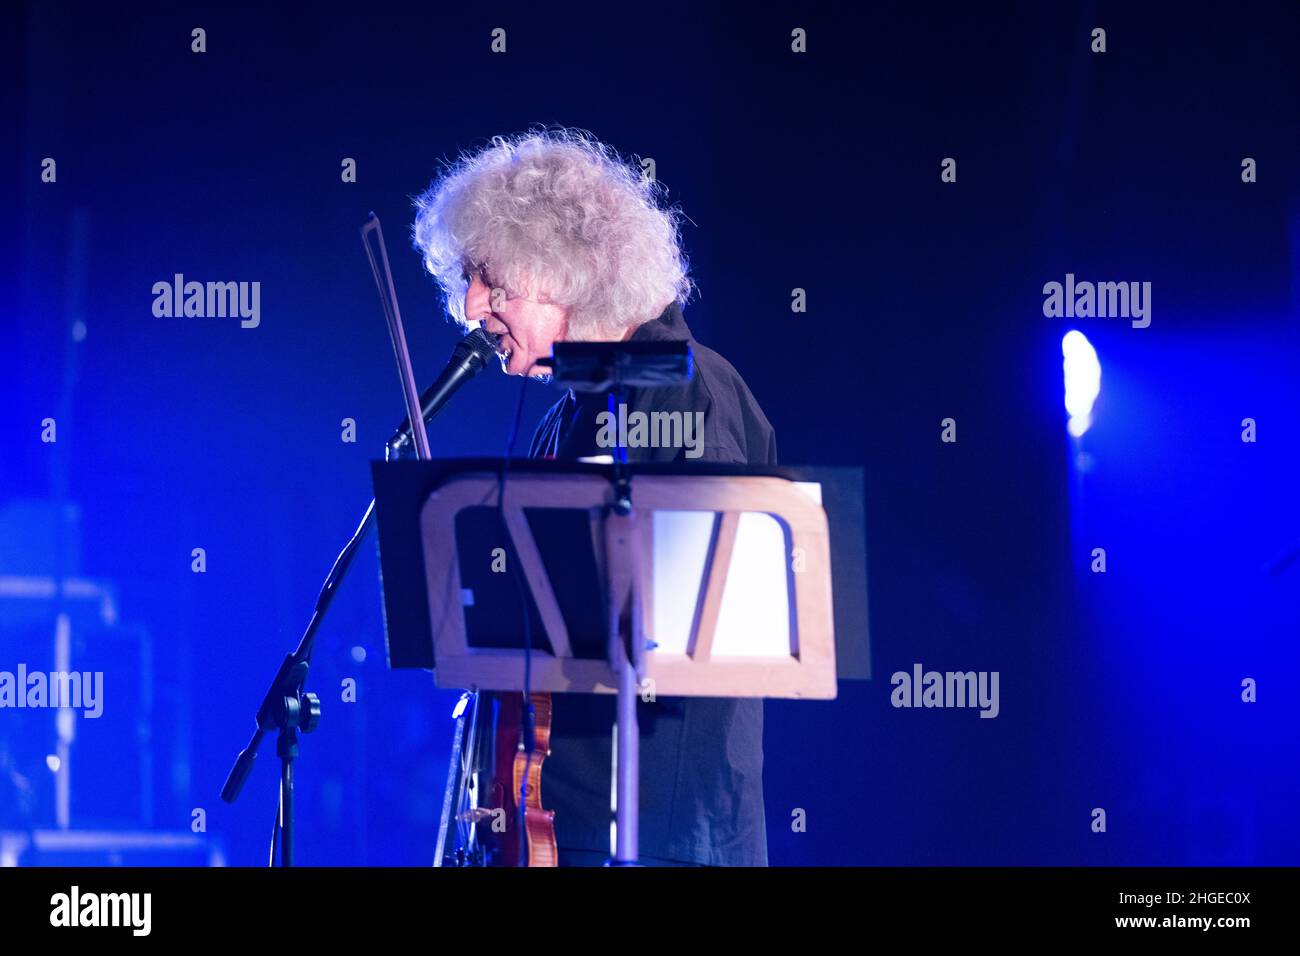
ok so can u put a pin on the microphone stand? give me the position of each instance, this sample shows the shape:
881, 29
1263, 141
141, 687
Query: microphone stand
287, 707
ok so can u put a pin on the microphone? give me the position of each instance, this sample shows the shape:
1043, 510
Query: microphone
467, 360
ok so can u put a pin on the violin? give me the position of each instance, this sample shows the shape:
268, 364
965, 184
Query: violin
498, 795
517, 772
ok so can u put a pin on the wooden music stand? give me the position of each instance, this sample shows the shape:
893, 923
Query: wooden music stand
723, 546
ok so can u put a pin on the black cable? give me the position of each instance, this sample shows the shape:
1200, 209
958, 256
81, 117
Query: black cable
529, 716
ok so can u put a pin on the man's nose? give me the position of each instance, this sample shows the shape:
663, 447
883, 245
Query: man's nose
478, 304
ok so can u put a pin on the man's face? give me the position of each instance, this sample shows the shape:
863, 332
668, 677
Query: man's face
526, 327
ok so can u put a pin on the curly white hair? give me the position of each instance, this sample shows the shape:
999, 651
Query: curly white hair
555, 214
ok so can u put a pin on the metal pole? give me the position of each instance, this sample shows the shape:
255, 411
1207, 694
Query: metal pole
627, 758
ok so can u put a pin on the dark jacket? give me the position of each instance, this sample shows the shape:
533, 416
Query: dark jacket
701, 758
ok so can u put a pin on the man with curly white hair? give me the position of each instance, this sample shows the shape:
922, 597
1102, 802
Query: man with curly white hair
547, 237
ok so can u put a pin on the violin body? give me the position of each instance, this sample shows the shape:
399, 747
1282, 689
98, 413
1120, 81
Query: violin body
496, 764
512, 762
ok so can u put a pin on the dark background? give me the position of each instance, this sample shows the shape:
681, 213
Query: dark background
818, 171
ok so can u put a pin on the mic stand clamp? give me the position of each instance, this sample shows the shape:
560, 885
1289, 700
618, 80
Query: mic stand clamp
289, 709
295, 710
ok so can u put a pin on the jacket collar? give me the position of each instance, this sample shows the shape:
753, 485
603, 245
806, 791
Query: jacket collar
670, 326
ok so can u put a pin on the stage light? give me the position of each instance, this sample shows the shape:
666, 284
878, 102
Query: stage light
1082, 380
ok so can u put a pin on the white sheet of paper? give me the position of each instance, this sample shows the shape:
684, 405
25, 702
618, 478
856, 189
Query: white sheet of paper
754, 619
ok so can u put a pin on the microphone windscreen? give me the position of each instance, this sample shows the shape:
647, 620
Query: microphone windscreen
479, 343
